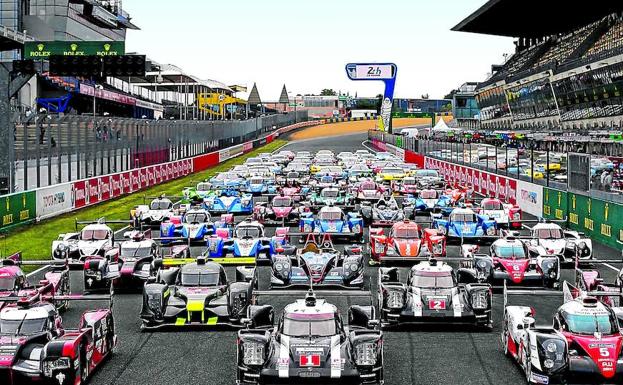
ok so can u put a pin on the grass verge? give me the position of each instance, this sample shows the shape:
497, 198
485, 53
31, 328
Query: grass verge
35, 241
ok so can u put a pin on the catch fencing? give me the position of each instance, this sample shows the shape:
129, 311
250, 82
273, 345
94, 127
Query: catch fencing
49, 150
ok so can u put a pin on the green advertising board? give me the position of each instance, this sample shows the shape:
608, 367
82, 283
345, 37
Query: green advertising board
554, 204
43, 49
16, 209
411, 115
399, 141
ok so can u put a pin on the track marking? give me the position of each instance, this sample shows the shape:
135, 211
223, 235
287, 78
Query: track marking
610, 266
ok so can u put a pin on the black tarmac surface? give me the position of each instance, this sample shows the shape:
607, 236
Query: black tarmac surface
427, 355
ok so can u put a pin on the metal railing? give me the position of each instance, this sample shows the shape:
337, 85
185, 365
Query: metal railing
49, 149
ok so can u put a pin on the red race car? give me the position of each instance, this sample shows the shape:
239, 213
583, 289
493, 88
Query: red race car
406, 240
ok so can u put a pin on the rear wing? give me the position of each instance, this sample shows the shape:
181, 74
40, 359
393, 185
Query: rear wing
51, 298
537, 292
240, 261
102, 221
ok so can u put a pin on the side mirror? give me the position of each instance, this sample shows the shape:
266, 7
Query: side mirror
374, 323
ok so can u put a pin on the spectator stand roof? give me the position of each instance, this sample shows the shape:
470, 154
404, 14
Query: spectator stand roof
535, 18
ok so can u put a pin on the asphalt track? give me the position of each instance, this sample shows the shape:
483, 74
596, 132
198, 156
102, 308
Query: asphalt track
438, 355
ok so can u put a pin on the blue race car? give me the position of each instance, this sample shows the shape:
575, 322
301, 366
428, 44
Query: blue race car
258, 185
249, 241
230, 202
227, 180
332, 221
430, 200
464, 223
194, 226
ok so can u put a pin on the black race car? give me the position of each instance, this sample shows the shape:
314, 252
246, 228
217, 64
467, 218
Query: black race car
310, 344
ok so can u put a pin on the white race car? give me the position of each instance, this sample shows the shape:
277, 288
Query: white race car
550, 239
158, 211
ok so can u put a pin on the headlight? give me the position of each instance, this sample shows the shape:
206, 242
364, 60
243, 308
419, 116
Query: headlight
395, 300
482, 264
353, 267
64, 254
253, 353
59, 364
551, 347
154, 301
548, 364
480, 301
517, 216
437, 248
365, 354
491, 231
62, 246
582, 245
356, 229
379, 247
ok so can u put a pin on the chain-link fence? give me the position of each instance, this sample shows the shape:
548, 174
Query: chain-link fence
50, 149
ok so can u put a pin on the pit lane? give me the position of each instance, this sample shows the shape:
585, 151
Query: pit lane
426, 355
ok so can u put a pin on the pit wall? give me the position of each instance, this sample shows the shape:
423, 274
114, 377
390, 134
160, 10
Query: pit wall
600, 220
47, 202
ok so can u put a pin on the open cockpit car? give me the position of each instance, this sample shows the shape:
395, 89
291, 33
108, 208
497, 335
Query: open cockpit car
196, 292
310, 344
432, 294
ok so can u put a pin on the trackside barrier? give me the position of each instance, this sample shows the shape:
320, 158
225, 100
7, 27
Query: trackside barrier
47, 202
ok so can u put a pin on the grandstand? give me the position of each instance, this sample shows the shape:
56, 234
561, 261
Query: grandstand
566, 72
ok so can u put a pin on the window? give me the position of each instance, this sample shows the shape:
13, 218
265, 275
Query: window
7, 283
94, 235
200, 279
406, 233
312, 328
330, 215
433, 282
589, 324
509, 252
22, 327
196, 218
160, 205
248, 232
548, 233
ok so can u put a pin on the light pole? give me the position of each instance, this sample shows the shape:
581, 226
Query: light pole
95, 88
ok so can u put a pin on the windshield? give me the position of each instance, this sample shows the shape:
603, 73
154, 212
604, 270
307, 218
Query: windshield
433, 282
160, 205
200, 279
329, 193
409, 181
293, 175
94, 235
330, 216
22, 327
203, 187
392, 171
282, 202
248, 232
196, 218
510, 251
307, 328
256, 181
7, 283
590, 324
428, 194
469, 218
406, 233
326, 179
368, 187
492, 205
135, 251
429, 173
549, 234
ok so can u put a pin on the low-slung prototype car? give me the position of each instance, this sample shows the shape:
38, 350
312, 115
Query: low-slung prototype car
310, 344
196, 292
406, 240
334, 222
464, 223
385, 212
432, 294
550, 239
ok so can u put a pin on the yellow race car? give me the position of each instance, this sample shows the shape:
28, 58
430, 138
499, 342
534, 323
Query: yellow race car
388, 174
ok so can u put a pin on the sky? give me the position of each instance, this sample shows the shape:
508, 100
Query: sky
305, 44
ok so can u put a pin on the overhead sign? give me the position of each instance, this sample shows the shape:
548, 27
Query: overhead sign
43, 49
385, 72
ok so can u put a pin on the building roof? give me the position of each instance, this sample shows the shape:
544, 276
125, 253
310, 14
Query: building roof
534, 18
254, 96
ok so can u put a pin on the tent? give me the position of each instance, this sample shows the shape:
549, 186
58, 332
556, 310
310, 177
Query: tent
441, 126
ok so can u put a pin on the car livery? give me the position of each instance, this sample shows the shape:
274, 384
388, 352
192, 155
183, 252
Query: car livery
158, 211
505, 214
194, 226
385, 212
93, 240
331, 220
429, 200
331, 196
282, 209
406, 240
550, 239
432, 294
249, 240
294, 352
237, 203
465, 223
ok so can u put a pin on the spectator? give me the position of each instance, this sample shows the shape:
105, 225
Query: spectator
608, 181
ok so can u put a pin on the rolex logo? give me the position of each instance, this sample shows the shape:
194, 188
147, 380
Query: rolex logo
107, 47
73, 47
40, 47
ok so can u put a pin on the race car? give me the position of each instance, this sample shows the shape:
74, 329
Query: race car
583, 345
197, 194
95, 239
510, 261
196, 292
281, 210
550, 239
332, 220
432, 294
390, 173
320, 265
258, 185
385, 212
15, 283
326, 181
234, 203
405, 241
504, 214
331, 196
429, 200
249, 241
310, 344
406, 186
464, 223
227, 181
369, 191
194, 226
158, 211
36, 348
429, 179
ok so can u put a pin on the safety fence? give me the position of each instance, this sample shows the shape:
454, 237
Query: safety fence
34, 205
599, 218
350, 119
49, 150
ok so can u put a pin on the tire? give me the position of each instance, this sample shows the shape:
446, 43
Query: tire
505, 337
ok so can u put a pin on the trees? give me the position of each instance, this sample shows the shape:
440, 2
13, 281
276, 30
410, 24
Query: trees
328, 92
